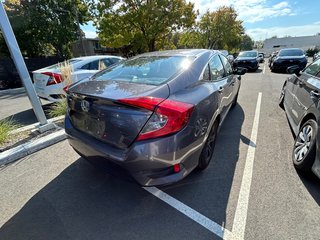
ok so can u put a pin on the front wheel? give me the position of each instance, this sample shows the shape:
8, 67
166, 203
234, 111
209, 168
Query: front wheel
304, 150
207, 151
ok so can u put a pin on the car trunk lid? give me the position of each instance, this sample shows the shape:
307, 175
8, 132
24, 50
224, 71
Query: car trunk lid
95, 108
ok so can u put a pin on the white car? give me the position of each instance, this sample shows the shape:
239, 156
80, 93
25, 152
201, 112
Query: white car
49, 83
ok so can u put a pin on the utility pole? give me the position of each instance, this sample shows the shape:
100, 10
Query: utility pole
16, 55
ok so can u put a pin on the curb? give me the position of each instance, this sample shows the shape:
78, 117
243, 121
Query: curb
25, 149
11, 91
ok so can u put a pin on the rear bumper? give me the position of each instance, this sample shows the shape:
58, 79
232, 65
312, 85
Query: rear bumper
50, 93
148, 162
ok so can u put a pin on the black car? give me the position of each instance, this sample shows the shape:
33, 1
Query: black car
288, 57
156, 116
300, 99
248, 60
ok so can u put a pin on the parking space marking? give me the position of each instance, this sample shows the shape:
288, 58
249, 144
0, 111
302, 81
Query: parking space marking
240, 218
264, 68
191, 213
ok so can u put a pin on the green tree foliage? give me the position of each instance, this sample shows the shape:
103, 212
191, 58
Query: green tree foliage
246, 43
142, 25
219, 29
43, 27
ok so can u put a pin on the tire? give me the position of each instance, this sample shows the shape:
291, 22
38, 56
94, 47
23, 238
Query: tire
208, 148
304, 149
281, 98
235, 100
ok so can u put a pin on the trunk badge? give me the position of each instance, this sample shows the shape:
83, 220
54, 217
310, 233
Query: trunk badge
85, 105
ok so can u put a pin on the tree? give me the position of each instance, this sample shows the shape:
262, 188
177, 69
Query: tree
142, 25
44, 27
246, 43
215, 30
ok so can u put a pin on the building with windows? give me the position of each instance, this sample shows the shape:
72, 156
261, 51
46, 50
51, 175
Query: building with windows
275, 44
91, 46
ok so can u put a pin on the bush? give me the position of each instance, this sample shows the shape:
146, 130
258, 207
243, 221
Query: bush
311, 51
6, 126
58, 109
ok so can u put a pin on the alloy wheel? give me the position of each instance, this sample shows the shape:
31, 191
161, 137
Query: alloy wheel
303, 143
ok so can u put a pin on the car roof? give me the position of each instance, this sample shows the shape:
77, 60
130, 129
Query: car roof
180, 52
95, 57
291, 49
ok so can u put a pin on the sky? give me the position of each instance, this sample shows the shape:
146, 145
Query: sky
263, 19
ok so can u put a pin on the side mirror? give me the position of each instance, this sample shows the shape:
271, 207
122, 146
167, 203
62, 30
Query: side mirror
295, 69
240, 71
230, 58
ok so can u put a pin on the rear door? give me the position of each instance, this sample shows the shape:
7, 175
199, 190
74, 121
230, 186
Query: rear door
223, 84
306, 90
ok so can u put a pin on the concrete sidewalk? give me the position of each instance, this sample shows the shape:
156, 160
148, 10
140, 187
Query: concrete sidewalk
32, 146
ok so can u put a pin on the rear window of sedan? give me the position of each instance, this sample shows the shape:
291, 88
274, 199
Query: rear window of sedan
153, 70
248, 54
291, 52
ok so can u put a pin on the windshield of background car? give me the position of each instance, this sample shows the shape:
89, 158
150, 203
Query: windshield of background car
291, 52
153, 70
56, 66
248, 54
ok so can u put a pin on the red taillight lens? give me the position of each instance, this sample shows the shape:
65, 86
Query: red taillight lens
169, 116
54, 78
66, 89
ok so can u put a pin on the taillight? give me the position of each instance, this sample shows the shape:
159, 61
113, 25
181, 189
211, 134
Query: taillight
66, 89
169, 116
54, 78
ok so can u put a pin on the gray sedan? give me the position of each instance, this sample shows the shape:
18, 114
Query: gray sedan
156, 116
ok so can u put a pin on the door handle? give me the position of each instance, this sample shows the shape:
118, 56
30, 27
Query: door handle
314, 94
221, 89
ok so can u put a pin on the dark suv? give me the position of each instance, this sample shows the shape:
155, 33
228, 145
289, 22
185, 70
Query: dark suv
300, 99
248, 60
288, 57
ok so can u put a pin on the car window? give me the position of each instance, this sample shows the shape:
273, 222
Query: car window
291, 52
248, 54
206, 74
91, 65
153, 70
115, 60
107, 62
227, 65
313, 69
216, 68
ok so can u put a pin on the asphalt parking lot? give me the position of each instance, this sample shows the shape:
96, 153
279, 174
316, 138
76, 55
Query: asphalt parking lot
250, 190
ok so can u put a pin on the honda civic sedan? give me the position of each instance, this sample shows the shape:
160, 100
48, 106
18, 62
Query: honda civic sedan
300, 99
156, 116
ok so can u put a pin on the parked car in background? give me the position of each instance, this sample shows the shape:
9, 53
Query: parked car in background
316, 56
248, 60
156, 115
300, 99
272, 57
49, 81
288, 57
261, 58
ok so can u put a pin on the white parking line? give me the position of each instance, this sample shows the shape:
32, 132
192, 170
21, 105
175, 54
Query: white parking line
240, 218
191, 213
264, 68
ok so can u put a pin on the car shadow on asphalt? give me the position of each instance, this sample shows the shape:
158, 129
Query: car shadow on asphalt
83, 203
208, 192
312, 184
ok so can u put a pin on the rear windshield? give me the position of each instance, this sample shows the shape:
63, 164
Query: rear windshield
56, 66
291, 52
153, 70
248, 54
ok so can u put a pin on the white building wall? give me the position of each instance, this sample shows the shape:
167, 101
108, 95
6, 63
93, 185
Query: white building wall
274, 44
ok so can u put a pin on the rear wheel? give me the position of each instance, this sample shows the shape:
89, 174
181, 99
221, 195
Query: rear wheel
208, 148
304, 150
